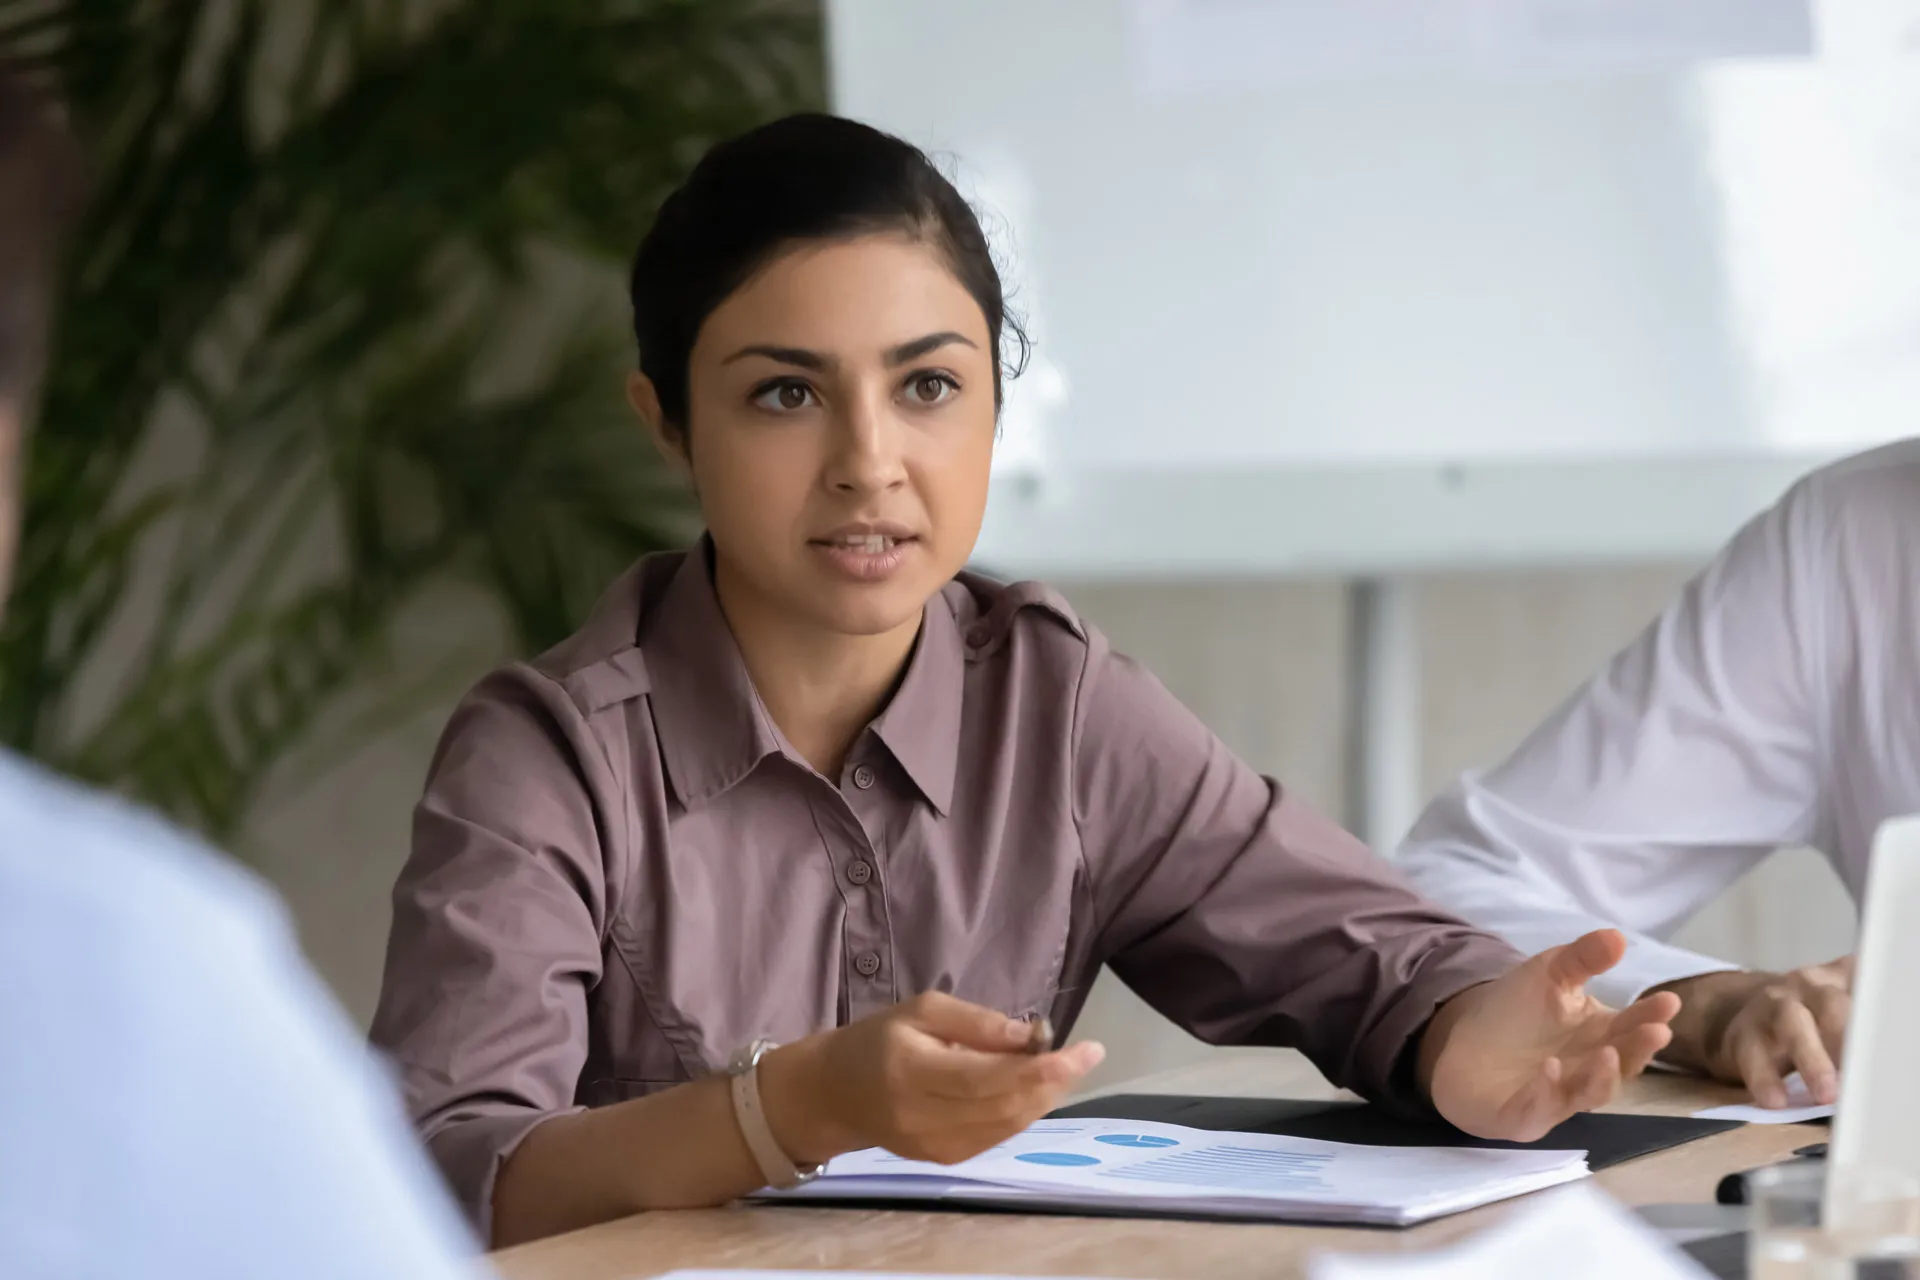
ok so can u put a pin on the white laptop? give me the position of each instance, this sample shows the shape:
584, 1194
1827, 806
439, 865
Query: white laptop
1877, 1124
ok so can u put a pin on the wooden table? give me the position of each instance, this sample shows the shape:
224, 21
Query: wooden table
872, 1240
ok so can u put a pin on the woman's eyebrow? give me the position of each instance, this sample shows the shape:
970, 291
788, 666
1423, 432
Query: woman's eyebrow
908, 351
797, 356
802, 358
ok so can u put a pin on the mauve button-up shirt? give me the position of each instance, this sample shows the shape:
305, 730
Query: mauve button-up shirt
622, 873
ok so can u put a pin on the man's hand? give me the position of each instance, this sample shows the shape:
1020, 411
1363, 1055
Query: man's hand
1514, 1057
1753, 1028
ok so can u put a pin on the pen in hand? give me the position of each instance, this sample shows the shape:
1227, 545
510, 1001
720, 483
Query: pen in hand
1040, 1036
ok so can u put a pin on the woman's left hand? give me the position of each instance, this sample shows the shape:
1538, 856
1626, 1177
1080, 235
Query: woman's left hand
1514, 1057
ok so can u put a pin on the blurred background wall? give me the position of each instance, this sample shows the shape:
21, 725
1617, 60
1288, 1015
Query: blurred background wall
336, 425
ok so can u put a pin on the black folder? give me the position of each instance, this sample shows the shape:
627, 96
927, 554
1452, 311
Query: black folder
1608, 1139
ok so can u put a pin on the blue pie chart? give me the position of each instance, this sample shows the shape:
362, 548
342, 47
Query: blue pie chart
1058, 1159
1135, 1140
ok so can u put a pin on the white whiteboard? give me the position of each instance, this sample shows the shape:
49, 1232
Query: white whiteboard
1481, 303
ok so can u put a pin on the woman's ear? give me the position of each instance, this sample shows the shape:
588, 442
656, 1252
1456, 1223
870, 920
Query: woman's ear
667, 438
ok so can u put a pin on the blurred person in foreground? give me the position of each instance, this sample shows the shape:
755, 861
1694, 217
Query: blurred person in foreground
1775, 703
178, 1096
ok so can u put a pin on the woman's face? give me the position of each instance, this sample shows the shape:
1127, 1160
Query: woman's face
841, 432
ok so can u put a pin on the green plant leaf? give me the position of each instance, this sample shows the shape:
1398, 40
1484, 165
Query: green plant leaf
312, 366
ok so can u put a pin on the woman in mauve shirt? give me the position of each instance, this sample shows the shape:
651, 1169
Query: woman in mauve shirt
812, 785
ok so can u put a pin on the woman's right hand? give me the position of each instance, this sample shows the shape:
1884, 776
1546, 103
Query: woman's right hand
933, 1079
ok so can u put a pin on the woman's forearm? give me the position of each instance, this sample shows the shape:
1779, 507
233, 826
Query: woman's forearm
673, 1150
679, 1149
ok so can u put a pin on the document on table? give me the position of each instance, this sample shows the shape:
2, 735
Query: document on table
1136, 1167
1608, 1242
1800, 1108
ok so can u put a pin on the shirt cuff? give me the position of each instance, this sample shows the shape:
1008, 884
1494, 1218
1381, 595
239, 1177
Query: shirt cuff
1391, 1052
471, 1152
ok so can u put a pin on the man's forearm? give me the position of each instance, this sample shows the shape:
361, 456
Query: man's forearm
1754, 1028
1708, 1002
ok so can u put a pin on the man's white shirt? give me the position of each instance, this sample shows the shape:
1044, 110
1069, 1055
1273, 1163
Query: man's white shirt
1775, 703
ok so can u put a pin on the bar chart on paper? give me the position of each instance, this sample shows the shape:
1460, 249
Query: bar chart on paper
1240, 1168
1132, 1167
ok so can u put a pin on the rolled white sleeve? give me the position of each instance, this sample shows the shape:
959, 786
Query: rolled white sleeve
1695, 753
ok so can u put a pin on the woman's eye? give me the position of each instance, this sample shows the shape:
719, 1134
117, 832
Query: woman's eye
931, 388
784, 397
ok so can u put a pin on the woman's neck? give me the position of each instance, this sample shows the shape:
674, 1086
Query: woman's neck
821, 688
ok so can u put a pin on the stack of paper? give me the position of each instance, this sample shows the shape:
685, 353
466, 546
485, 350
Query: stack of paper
1129, 1166
1800, 1108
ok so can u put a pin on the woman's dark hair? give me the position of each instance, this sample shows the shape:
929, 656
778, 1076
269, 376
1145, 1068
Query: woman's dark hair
806, 177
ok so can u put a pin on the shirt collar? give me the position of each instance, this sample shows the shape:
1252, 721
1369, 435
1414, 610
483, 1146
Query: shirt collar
921, 725
712, 726
714, 730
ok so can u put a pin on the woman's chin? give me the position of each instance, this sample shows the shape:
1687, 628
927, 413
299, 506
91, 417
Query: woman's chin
873, 610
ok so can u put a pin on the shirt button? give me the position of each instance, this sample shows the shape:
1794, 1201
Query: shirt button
860, 872
868, 964
977, 638
862, 777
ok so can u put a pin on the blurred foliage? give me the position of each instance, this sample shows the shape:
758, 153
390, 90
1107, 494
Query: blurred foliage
312, 364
